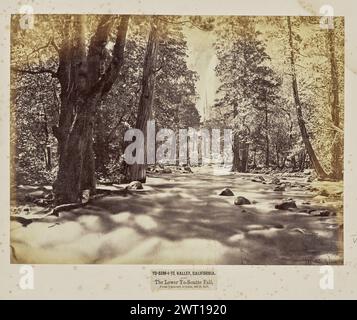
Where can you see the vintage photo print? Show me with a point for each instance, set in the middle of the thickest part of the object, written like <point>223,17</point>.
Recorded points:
<point>179,143</point>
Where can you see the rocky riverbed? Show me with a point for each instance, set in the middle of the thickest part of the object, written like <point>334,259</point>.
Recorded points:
<point>182,218</point>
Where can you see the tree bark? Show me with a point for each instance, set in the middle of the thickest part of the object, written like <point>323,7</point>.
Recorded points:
<point>304,134</point>
<point>137,172</point>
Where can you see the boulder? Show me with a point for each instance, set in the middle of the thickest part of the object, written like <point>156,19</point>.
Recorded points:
<point>307,211</point>
<point>85,196</point>
<point>323,193</point>
<point>338,194</point>
<point>238,201</point>
<point>286,204</point>
<point>275,180</point>
<point>166,170</point>
<point>187,169</point>
<point>226,192</point>
<point>327,213</point>
<point>135,185</point>
<point>280,187</point>
<point>299,230</point>
<point>278,226</point>
<point>311,211</point>
<point>320,199</point>
<point>261,178</point>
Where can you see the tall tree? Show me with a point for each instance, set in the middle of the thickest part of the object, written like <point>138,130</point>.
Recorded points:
<point>304,134</point>
<point>137,171</point>
<point>248,85</point>
<point>336,148</point>
<point>167,85</point>
<point>82,87</point>
<point>79,64</point>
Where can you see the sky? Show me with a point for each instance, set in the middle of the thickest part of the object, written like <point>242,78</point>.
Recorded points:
<point>202,59</point>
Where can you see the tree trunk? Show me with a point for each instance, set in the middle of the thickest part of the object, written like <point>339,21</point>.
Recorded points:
<point>305,136</point>
<point>137,172</point>
<point>283,162</point>
<point>49,158</point>
<point>81,92</point>
<point>293,160</point>
<point>336,149</point>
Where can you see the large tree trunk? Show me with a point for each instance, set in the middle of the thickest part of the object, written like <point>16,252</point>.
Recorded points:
<point>82,88</point>
<point>336,149</point>
<point>76,163</point>
<point>304,134</point>
<point>136,171</point>
<point>70,142</point>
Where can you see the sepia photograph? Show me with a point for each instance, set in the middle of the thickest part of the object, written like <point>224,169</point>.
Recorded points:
<point>177,140</point>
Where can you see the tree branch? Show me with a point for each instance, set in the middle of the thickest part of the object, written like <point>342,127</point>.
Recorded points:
<point>182,22</point>
<point>33,72</point>
<point>54,45</point>
<point>107,80</point>
<point>96,51</point>
<point>335,128</point>
<point>39,49</point>
<point>158,69</point>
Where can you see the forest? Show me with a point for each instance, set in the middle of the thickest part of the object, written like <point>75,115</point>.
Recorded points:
<point>79,82</point>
